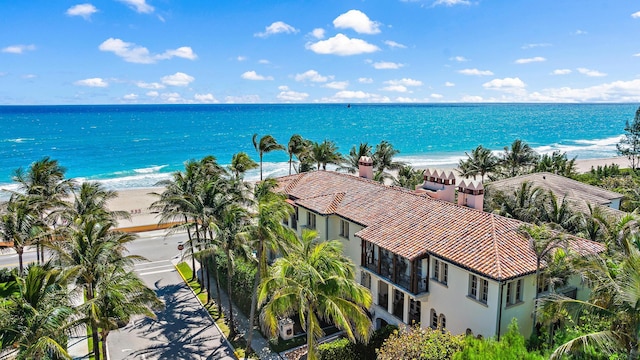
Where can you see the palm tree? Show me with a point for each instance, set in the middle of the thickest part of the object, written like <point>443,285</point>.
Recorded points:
<point>268,234</point>
<point>316,281</point>
<point>350,164</point>
<point>120,295</point>
<point>92,247</point>
<point>524,204</point>
<point>241,163</point>
<point>296,146</point>
<point>325,153</point>
<point>45,186</point>
<point>383,157</point>
<point>592,225</point>
<point>90,202</point>
<point>408,177</point>
<point>518,159</point>
<point>614,296</point>
<point>18,226</point>
<point>544,243</point>
<point>266,144</point>
<point>480,162</point>
<point>557,163</point>
<point>559,213</point>
<point>37,319</point>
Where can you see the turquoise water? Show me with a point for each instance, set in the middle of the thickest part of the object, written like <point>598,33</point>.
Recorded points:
<point>128,146</point>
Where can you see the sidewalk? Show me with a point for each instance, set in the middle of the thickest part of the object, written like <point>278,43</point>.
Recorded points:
<point>258,343</point>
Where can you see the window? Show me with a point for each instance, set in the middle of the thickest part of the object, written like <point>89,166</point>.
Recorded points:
<point>344,229</point>
<point>443,321</point>
<point>311,220</point>
<point>479,288</point>
<point>514,292</point>
<point>543,284</point>
<point>434,319</point>
<point>440,271</point>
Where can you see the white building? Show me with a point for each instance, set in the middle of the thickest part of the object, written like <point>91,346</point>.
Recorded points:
<point>426,260</point>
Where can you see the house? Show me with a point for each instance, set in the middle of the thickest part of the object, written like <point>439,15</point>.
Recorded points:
<point>426,260</point>
<point>578,194</point>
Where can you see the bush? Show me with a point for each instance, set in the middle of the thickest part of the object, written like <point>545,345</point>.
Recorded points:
<point>510,347</point>
<point>241,282</point>
<point>344,349</point>
<point>341,349</point>
<point>418,343</point>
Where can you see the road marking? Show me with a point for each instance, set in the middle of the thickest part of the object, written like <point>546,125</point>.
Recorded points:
<point>155,267</point>
<point>156,272</point>
<point>151,262</point>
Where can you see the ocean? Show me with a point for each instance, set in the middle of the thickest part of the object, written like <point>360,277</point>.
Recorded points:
<point>134,146</point>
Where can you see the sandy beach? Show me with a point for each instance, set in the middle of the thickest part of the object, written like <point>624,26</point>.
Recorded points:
<point>137,201</point>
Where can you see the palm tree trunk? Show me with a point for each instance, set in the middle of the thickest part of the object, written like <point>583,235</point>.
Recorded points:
<point>104,344</point>
<point>38,253</point>
<point>254,299</point>
<point>311,351</point>
<point>215,273</point>
<point>232,328</point>
<point>261,166</point>
<point>94,327</point>
<point>20,263</point>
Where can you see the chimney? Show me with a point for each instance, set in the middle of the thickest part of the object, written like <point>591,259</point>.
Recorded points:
<point>471,194</point>
<point>365,167</point>
<point>439,184</point>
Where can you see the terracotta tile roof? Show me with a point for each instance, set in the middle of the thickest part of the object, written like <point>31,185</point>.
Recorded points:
<point>578,194</point>
<point>413,225</point>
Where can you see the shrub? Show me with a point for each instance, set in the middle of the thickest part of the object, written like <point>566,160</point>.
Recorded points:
<point>341,349</point>
<point>510,347</point>
<point>418,343</point>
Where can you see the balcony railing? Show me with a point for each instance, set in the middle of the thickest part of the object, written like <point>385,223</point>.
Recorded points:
<point>404,280</point>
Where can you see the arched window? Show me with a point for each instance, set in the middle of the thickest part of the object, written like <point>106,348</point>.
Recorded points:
<point>434,319</point>
<point>443,321</point>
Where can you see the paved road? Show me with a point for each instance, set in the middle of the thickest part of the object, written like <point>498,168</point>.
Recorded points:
<point>183,330</point>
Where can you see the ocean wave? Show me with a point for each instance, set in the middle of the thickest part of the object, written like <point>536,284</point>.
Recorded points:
<point>18,140</point>
<point>584,149</point>
<point>150,170</point>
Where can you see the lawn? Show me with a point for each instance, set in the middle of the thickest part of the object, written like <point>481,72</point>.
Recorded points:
<point>239,343</point>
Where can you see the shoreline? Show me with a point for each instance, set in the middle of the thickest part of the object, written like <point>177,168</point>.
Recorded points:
<point>136,201</point>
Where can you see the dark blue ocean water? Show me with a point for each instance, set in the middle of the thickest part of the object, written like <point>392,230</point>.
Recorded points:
<point>136,145</point>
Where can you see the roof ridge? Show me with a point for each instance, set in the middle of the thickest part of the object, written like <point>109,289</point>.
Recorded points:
<point>294,182</point>
<point>496,248</point>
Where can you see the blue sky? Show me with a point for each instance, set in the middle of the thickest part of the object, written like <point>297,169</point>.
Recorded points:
<point>240,51</point>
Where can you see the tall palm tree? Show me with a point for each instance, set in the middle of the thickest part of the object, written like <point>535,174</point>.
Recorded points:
<point>557,163</point>
<point>18,226</point>
<point>92,247</point>
<point>37,319</point>
<point>315,281</point>
<point>241,163</point>
<point>325,153</point>
<point>383,157</point>
<point>525,203</point>
<point>46,187</point>
<point>266,144</point>
<point>518,159</point>
<point>408,177</point>
<point>350,164</point>
<point>559,213</point>
<point>296,146</point>
<point>120,295</point>
<point>480,162</point>
<point>268,234</point>
<point>592,225</point>
<point>90,202</point>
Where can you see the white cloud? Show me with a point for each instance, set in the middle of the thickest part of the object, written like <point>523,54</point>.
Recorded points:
<point>318,33</point>
<point>386,65</point>
<point>342,45</point>
<point>358,21</point>
<point>84,10</point>
<point>205,98</point>
<point>530,60</point>
<point>151,86</point>
<point>636,15</point>
<point>311,75</point>
<point>93,82</point>
<point>580,32</point>
<point>130,97</point>
<point>252,75</point>
<point>617,91</point>
<point>133,53</point>
<point>437,96</point>
<point>396,88</point>
<point>393,44</point>
<point>243,99</point>
<point>140,6</point>
<point>277,27</point>
<point>290,95</point>
<point>241,58</point>
<point>403,99</point>
<point>591,73</point>
<point>177,79</point>
<point>561,72</point>
<point>152,94</point>
<point>472,98</point>
<point>449,84</point>
<point>337,85</point>
<point>348,94</point>
<point>18,49</point>
<point>29,76</point>
<point>404,82</point>
<point>510,85</point>
<point>451,2</point>
<point>364,80</point>
<point>263,61</point>
<point>531,46</point>
<point>475,72</point>
<point>636,55</point>
<point>172,98</point>
<point>459,59</point>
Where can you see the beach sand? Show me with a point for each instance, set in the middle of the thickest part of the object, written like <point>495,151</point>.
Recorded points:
<point>137,201</point>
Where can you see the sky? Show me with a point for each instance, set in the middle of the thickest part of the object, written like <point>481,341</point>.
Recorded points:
<point>330,51</point>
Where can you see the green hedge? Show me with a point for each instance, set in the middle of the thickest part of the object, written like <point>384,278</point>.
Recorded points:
<point>241,281</point>
<point>343,349</point>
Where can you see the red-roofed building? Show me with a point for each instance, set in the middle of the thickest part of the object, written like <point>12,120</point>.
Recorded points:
<point>426,260</point>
